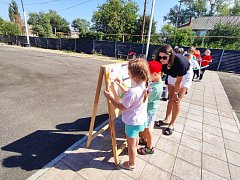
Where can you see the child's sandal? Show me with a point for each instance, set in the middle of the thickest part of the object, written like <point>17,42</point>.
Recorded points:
<point>145,150</point>
<point>128,166</point>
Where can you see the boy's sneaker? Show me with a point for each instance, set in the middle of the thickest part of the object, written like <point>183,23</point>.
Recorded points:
<point>145,150</point>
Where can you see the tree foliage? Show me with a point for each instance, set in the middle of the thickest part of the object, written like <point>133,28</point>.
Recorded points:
<point>116,17</point>
<point>14,14</point>
<point>40,24</point>
<point>58,22</point>
<point>228,31</point>
<point>138,30</point>
<point>197,8</point>
<point>235,10</point>
<point>180,37</point>
<point>9,28</point>
<point>81,25</point>
<point>43,24</point>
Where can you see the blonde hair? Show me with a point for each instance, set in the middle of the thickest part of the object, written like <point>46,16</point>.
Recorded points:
<point>139,68</point>
<point>208,50</point>
<point>192,50</point>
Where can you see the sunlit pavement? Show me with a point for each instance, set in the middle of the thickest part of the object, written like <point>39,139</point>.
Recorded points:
<point>204,145</point>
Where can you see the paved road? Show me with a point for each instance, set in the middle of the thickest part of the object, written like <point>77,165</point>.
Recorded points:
<point>46,101</point>
<point>231,84</point>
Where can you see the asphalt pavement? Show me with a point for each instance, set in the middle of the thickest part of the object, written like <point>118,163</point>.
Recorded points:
<point>231,84</point>
<point>46,102</point>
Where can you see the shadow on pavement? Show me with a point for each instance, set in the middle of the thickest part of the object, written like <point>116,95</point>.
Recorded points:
<point>40,147</point>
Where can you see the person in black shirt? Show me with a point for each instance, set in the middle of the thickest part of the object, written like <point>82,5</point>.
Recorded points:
<point>179,81</point>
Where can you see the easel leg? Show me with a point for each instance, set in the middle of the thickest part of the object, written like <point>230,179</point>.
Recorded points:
<point>95,105</point>
<point>114,143</point>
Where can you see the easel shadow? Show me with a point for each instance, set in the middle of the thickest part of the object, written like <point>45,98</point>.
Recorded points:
<point>40,147</point>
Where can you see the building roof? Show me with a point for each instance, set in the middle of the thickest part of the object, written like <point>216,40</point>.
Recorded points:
<point>203,23</point>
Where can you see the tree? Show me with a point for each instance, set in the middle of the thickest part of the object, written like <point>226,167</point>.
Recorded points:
<point>43,24</point>
<point>184,37</point>
<point>40,24</point>
<point>9,28</point>
<point>115,17</point>
<point>189,8</point>
<point>14,14</point>
<point>235,10</point>
<point>146,28</point>
<point>56,21</point>
<point>81,25</point>
<point>224,42</point>
<point>182,16</point>
<point>197,8</point>
<point>180,37</point>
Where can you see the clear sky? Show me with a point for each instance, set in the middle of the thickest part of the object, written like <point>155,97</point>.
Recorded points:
<point>84,8</point>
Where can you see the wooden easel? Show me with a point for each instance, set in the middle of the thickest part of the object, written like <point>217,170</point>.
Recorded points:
<point>113,114</point>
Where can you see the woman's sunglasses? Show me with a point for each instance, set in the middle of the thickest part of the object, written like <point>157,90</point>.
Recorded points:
<point>163,57</point>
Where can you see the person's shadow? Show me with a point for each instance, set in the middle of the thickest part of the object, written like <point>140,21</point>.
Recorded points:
<point>40,147</point>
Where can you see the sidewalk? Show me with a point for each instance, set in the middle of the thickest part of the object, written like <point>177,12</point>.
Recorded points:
<point>204,145</point>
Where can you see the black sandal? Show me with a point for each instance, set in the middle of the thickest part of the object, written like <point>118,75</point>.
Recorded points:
<point>145,150</point>
<point>160,123</point>
<point>168,131</point>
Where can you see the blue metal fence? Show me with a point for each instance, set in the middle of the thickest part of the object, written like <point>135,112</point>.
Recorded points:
<point>227,60</point>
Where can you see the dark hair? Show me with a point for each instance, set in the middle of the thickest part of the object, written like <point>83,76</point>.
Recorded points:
<point>187,55</point>
<point>167,49</point>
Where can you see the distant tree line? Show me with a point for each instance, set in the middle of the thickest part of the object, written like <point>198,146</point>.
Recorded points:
<point>118,20</point>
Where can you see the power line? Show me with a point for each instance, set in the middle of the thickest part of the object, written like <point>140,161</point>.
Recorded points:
<point>37,3</point>
<point>74,6</point>
<point>46,2</point>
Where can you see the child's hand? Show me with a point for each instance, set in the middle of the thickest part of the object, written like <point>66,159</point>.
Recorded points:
<point>117,81</point>
<point>107,94</point>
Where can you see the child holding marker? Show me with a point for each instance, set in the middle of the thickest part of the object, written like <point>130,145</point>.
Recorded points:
<point>133,106</point>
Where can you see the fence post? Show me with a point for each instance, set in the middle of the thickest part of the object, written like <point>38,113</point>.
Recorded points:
<point>75,48</point>
<point>93,47</point>
<point>60,44</point>
<point>115,48</point>
<point>142,48</point>
<point>47,42</point>
<point>35,41</point>
<point>220,61</point>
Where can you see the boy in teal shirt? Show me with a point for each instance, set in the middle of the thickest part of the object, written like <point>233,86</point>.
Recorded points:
<point>155,92</point>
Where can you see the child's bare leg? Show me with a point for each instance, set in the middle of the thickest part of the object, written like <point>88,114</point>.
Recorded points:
<point>141,136</point>
<point>148,134</point>
<point>132,150</point>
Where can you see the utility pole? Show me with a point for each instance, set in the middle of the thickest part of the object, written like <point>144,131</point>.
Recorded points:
<point>150,28</point>
<point>143,20</point>
<point>26,26</point>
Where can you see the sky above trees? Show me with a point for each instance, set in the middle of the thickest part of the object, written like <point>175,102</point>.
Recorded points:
<point>85,10</point>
